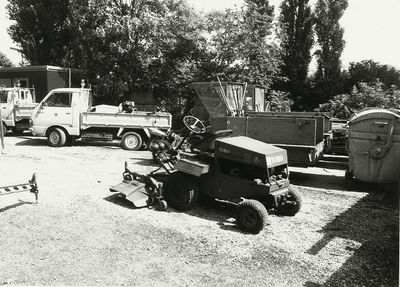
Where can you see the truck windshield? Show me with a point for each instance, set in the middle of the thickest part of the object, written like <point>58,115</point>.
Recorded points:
<point>59,100</point>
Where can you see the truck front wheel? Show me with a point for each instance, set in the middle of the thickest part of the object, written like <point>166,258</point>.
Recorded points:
<point>131,141</point>
<point>56,137</point>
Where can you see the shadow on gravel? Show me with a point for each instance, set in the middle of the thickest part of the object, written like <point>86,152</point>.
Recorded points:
<point>370,229</point>
<point>207,209</point>
<point>329,181</point>
<point>14,206</point>
<point>39,141</point>
<point>32,141</point>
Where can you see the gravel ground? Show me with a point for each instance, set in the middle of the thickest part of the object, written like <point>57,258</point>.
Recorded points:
<point>79,233</point>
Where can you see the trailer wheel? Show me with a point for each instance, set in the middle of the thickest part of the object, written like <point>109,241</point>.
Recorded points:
<point>251,216</point>
<point>292,203</point>
<point>56,137</point>
<point>181,191</point>
<point>131,141</point>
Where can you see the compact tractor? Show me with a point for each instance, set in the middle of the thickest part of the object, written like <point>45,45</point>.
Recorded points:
<point>249,173</point>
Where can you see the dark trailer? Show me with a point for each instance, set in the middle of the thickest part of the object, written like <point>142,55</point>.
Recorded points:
<point>42,78</point>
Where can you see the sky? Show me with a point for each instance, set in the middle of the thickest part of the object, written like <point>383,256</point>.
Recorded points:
<point>372,29</point>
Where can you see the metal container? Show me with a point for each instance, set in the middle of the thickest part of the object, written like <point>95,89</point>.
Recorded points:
<point>374,146</point>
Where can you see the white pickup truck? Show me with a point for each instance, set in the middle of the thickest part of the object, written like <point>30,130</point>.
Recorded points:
<point>66,114</point>
<point>16,106</point>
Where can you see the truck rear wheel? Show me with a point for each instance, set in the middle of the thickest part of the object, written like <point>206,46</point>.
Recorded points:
<point>56,137</point>
<point>131,141</point>
<point>251,216</point>
<point>181,191</point>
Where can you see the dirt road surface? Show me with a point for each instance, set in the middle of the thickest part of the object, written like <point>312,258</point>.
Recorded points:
<point>79,233</point>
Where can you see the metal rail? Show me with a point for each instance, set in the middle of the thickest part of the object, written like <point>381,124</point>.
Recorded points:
<point>31,186</point>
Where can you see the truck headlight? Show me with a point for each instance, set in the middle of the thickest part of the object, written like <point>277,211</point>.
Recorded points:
<point>30,122</point>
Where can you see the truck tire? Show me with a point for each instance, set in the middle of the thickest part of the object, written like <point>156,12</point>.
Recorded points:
<point>181,191</point>
<point>56,137</point>
<point>251,216</point>
<point>131,141</point>
<point>292,205</point>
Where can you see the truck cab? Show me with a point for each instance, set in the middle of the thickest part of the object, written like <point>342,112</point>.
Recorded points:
<point>62,108</point>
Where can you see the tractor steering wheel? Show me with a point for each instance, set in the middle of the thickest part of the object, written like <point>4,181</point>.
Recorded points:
<point>194,124</point>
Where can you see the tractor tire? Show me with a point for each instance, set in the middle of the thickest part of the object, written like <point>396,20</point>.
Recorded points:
<point>181,191</point>
<point>292,205</point>
<point>251,216</point>
<point>131,141</point>
<point>56,137</point>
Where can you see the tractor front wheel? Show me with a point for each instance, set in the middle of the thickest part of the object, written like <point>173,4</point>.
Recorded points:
<point>251,216</point>
<point>292,204</point>
<point>181,191</point>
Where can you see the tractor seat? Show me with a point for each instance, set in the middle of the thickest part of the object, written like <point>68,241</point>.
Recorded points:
<point>206,144</point>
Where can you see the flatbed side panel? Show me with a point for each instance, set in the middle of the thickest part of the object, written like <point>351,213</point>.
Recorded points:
<point>132,120</point>
<point>275,130</point>
<point>304,155</point>
<point>24,110</point>
<point>323,120</point>
<point>300,142</point>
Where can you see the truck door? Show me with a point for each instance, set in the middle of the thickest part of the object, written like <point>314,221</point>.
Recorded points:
<point>56,110</point>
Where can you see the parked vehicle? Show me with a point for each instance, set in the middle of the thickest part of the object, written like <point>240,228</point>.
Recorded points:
<point>16,106</point>
<point>302,135</point>
<point>238,170</point>
<point>67,114</point>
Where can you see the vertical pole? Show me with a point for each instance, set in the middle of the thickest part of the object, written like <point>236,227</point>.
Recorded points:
<point>1,133</point>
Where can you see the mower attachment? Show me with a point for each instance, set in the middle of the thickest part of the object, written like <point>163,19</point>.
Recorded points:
<point>30,186</point>
<point>141,190</point>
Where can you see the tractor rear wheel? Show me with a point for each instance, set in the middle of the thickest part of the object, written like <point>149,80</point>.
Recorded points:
<point>251,216</point>
<point>181,191</point>
<point>292,205</point>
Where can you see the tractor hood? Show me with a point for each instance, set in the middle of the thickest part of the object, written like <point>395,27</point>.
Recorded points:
<point>250,151</point>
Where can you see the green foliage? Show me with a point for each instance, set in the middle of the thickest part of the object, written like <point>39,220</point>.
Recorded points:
<point>241,45</point>
<point>42,30</point>
<point>331,44</point>
<point>5,61</point>
<point>367,71</point>
<point>278,101</point>
<point>367,95</point>
<point>297,40</point>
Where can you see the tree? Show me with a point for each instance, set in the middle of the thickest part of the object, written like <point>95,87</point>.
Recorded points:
<point>331,44</point>
<point>42,30</point>
<point>5,61</point>
<point>297,41</point>
<point>368,71</point>
<point>367,95</point>
<point>242,46</point>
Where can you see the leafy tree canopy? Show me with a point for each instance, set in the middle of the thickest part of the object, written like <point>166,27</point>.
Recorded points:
<point>241,44</point>
<point>367,95</point>
<point>5,61</point>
